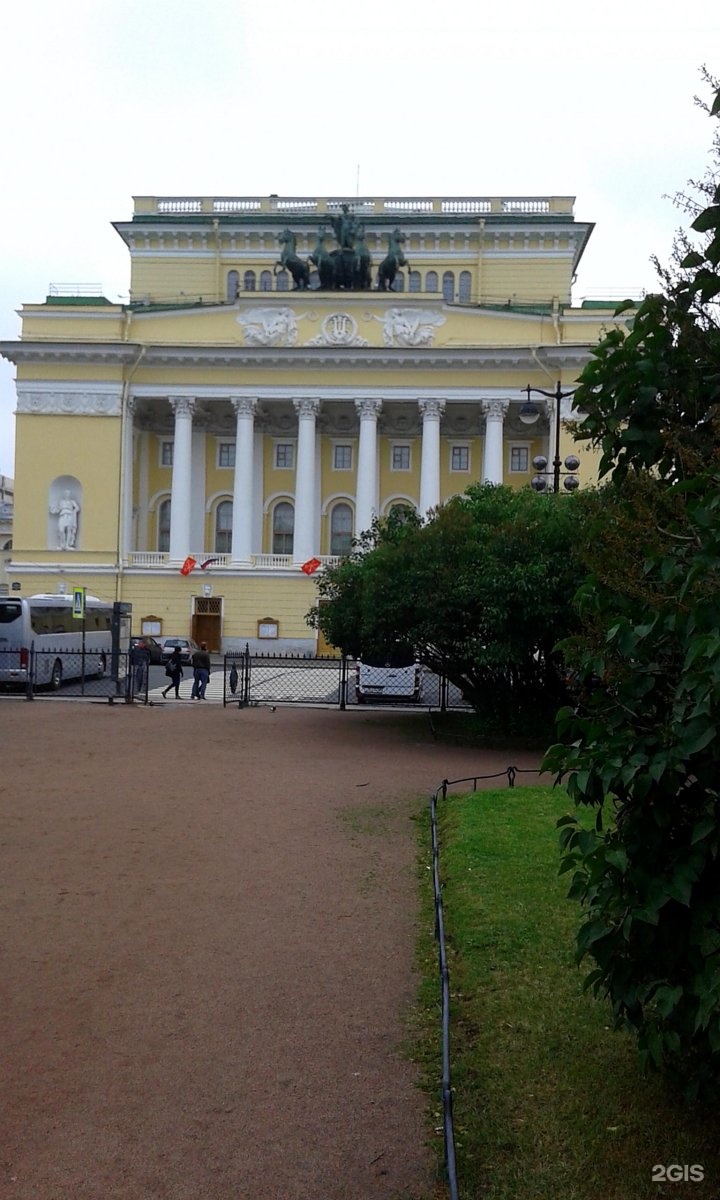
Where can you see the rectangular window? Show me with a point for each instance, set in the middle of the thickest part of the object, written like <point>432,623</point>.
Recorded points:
<point>460,458</point>
<point>226,454</point>
<point>284,456</point>
<point>519,458</point>
<point>400,458</point>
<point>342,458</point>
<point>166,454</point>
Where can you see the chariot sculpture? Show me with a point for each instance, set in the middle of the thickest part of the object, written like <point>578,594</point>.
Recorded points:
<point>349,266</point>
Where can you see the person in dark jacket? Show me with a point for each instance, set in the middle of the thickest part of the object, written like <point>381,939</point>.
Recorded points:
<point>175,671</point>
<point>201,672</point>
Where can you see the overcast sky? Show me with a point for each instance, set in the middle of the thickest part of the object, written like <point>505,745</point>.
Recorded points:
<point>105,99</point>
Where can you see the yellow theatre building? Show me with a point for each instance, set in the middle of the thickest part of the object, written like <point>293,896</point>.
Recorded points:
<point>285,369</point>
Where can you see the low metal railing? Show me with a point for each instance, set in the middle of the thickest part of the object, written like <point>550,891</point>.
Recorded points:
<point>510,774</point>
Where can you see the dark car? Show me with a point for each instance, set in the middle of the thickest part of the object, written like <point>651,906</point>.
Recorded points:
<point>152,648</point>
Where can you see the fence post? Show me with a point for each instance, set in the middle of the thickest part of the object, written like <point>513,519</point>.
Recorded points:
<point>443,693</point>
<point>343,682</point>
<point>246,675</point>
<point>29,694</point>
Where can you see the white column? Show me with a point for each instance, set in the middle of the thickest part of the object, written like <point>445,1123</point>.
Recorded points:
<point>183,408</point>
<point>493,458</point>
<point>127,480</point>
<point>305,521</point>
<point>431,411</point>
<point>367,482</point>
<point>242,527</point>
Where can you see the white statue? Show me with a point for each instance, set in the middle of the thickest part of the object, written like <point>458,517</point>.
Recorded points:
<point>410,327</point>
<point>66,510</point>
<point>268,326</point>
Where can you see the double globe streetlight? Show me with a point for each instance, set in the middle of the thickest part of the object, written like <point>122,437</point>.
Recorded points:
<point>529,414</point>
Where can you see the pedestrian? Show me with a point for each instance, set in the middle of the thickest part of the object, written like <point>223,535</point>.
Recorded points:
<point>175,672</point>
<point>201,672</point>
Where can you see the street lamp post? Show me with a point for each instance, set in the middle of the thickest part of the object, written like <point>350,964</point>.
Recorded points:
<point>529,414</point>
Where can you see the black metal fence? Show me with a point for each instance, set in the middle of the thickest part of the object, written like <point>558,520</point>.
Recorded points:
<point>510,774</point>
<point>38,674</point>
<point>252,679</point>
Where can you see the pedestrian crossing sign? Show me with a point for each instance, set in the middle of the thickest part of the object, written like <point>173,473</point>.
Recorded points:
<point>78,605</point>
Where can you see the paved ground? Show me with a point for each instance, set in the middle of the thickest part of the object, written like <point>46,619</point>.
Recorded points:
<point>209,921</point>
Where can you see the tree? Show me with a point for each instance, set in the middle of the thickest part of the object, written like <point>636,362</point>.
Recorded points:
<point>481,592</point>
<point>641,749</point>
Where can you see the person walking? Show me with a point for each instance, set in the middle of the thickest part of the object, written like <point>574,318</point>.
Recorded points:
<point>201,672</point>
<point>175,671</point>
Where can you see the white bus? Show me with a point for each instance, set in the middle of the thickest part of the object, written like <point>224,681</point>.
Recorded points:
<point>40,634</point>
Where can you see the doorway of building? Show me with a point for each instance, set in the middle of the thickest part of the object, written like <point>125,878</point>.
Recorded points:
<point>207,622</point>
<point>324,648</point>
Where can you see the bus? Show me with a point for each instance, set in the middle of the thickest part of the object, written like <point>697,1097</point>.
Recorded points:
<point>39,636</point>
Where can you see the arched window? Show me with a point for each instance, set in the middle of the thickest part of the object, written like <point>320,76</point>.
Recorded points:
<point>233,285</point>
<point>341,522</point>
<point>431,281</point>
<point>223,527</point>
<point>449,285</point>
<point>266,281</point>
<point>399,282</point>
<point>415,281</point>
<point>465,286</point>
<point>283,281</point>
<point>249,281</point>
<point>401,511</point>
<point>283,527</point>
<point>163,538</point>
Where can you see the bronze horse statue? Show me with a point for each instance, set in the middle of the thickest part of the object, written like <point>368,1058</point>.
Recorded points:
<point>395,258</point>
<point>290,261</point>
<point>362,263</point>
<point>324,261</point>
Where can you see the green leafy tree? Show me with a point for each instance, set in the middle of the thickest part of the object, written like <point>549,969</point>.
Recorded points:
<point>642,747</point>
<point>480,592</point>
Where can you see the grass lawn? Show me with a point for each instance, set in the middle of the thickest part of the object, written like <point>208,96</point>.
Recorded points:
<point>549,1101</point>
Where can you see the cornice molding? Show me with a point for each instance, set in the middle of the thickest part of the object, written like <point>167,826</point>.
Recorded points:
<point>307,357</point>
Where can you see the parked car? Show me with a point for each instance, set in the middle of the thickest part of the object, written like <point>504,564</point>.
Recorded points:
<point>187,648</point>
<point>389,677</point>
<point>150,645</point>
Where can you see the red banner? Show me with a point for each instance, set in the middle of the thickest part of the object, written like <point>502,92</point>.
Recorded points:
<point>188,565</point>
<point>311,566</point>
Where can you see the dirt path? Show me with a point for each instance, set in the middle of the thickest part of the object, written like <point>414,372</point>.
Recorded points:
<point>209,924</point>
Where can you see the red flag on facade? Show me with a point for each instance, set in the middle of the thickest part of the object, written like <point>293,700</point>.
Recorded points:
<point>311,566</point>
<point>188,565</point>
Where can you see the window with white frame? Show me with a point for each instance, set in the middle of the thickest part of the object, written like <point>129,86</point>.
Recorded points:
<point>233,285</point>
<point>166,454</point>
<point>223,527</point>
<point>226,454</point>
<point>519,458</point>
<point>460,457</point>
<point>283,528</point>
<point>342,457</point>
<point>163,533</point>
<point>448,285</point>
<point>249,281</point>
<point>465,286</point>
<point>266,281</point>
<point>341,523</point>
<point>284,456</point>
<point>400,456</point>
<point>414,281</point>
<point>283,281</point>
<point>431,281</point>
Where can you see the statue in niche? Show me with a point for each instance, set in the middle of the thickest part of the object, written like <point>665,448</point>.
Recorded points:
<point>66,510</point>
